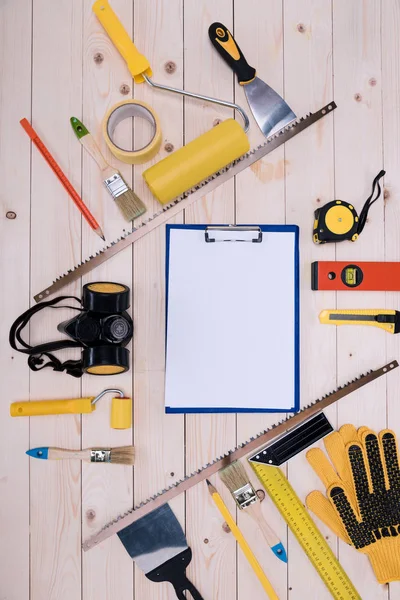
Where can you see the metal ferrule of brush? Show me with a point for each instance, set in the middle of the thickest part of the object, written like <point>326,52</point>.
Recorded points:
<point>245,496</point>
<point>116,185</point>
<point>103,456</point>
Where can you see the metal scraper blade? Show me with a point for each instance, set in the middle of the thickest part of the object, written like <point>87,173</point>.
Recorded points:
<point>154,539</point>
<point>269,110</point>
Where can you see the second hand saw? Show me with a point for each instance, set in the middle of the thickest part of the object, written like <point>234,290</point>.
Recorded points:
<point>185,200</point>
<point>239,452</point>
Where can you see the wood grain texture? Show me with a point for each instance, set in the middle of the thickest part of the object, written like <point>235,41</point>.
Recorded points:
<point>57,61</point>
<point>108,571</point>
<point>55,494</point>
<point>15,73</point>
<point>358,158</point>
<point>309,184</point>
<point>260,198</point>
<point>159,438</point>
<point>214,568</point>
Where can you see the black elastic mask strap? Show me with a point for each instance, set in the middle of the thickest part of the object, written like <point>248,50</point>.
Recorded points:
<point>369,202</point>
<point>35,360</point>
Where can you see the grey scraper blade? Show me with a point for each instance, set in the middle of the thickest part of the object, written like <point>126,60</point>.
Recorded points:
<point>269,110</point>
<point>154,539</point>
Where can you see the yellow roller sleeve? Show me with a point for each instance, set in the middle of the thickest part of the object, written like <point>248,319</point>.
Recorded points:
<point>52,407</point>
<point>196,161</point>
<point>136,62</point>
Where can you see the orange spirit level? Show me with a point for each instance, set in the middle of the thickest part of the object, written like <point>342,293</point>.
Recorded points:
<point>363,276</point>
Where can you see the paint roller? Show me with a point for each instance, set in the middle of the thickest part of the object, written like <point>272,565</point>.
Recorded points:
<point>202,157</point>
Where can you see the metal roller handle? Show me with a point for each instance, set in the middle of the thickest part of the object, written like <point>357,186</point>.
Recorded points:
<point>239,109</point>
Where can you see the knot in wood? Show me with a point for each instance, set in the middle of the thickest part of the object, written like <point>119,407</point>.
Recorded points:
<point>168,147</point>
<point>372,81</point>
<point>226,527</point>
<point>170,67</point>
<point>301,27</point>
<point>90,514</point>
<point>10,214</point>
<point>260,495</point>
<point>98,58</point>
<point>357,97</point>
<point>124,89</point>
<point>216,122</point>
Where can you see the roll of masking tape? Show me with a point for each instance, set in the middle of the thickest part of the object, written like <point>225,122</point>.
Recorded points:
<point>121,413</point>
<point>125,110</point>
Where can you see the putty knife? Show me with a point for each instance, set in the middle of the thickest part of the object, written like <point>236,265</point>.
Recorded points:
<point>158,545</point>
<point>269,110</point>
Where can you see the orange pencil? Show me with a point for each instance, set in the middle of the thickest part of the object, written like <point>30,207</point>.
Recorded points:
<point>62,177</point>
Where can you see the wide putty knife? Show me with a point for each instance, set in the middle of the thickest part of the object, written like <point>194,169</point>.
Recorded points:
<point>269,110</point>
<point>158,545</point>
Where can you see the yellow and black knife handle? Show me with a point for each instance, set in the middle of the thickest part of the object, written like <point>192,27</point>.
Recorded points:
<point>223,41</point>
<point>389,320</point>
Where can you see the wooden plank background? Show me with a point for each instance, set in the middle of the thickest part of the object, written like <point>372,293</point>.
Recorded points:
<point>310,51</point>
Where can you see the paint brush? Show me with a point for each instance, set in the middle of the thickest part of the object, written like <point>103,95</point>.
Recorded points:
<point>255,565</point>
<point>127,201</point>
<point>124,455</point>
<point>157,544</point>
<point>236,480</point>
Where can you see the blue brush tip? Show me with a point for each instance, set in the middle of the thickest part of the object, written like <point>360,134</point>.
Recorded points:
<point>280,552</point>
<point>39,452</point>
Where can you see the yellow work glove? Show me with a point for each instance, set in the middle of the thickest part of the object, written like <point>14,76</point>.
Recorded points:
<point>362,485</point>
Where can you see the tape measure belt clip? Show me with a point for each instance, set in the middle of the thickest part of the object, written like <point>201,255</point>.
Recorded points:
<point>125,110</point>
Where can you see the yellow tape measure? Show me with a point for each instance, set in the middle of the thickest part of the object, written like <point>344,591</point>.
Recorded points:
<point>306,532</point>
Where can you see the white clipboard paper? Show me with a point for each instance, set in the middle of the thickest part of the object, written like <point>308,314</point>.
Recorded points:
<point>232,342</point>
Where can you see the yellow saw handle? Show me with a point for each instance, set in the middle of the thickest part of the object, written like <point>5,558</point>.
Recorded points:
<point>74,406</point>
<point>382,318</point>
<point>136,62</point>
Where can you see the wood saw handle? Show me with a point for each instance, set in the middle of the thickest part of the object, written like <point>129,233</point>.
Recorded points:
<point>223,41</point>
<point>52,407</point>
<point>136,62</point>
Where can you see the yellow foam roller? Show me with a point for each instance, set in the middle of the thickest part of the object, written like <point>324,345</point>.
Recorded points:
<point>196,161</point>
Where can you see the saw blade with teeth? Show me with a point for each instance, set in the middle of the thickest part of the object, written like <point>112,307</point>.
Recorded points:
<point>164,496</point>
<point>185,200</point>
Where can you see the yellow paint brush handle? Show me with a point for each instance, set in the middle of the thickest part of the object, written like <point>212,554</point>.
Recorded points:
<point>245,547</point>
<point>52,407</point>
<point>136,62</point>
<point>385,319</point>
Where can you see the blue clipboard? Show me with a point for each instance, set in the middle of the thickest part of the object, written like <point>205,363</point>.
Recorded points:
<point>232,319</point>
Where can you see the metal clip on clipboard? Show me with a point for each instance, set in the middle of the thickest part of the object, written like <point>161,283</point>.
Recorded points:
<point>254,231</point>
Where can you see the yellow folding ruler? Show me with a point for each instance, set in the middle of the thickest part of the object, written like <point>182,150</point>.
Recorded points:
<point>305,530</point>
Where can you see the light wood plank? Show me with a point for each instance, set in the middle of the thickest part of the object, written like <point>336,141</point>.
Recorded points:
<point>213,568</point>
<point>391,136</point>
<point>159,438</point>
<point>358,158</point>
<point>107,489</point>
<point>15,74</point>
<point>260,198</point>
<point>56,225</point>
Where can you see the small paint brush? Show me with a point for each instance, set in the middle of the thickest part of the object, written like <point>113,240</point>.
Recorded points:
<point>124,455</point>
<point>236,480</point>
<point>127,201</point>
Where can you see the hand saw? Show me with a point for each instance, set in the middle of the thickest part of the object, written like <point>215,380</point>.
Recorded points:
<point>185,200</point>
<point>239,452</point>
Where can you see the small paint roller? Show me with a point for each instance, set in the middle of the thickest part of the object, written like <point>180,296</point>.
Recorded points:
<point>121,408</point>
<point>202,157</point>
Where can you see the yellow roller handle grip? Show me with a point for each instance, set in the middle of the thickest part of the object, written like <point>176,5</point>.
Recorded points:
<point>136,62</point>
<point>75,406</point>
<point>371,317</point>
